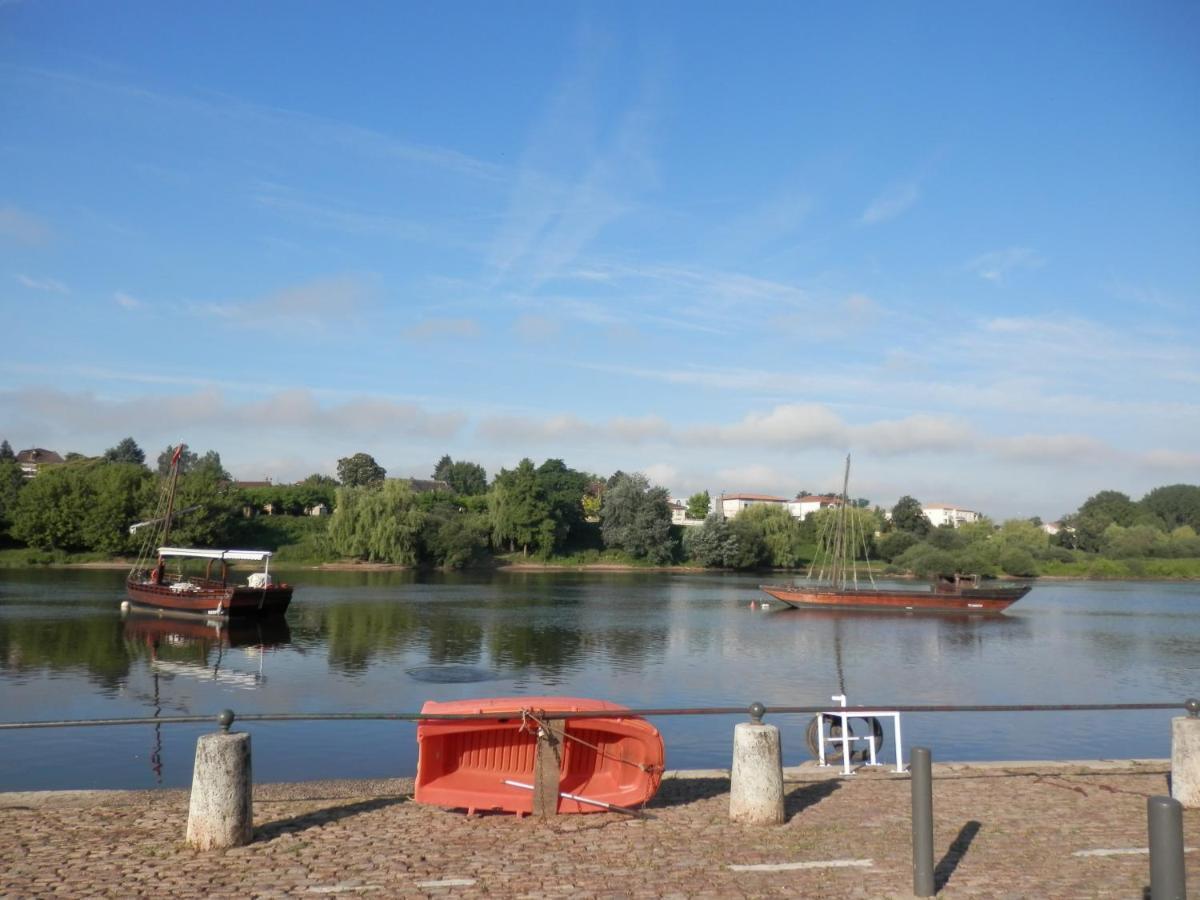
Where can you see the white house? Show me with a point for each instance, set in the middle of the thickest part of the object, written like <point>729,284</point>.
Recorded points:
<point>732,504</point>
<point>943,514</point>
<point>34,460</point>
<point>803,507</point>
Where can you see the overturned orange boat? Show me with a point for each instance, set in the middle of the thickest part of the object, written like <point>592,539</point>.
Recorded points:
<point>488,763</point>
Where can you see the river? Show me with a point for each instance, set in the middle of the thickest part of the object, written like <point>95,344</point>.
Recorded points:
<point>388,641</point>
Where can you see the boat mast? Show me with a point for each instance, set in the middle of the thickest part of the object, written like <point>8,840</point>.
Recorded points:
<point>841,547</point>
<point>171,493</point>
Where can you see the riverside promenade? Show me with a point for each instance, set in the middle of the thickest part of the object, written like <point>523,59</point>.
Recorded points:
<point>1002,830</point>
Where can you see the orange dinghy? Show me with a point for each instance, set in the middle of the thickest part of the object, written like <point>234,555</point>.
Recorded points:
<point>488,764</point>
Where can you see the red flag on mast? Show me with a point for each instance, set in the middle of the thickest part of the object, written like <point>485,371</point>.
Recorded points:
<point>175,458</point>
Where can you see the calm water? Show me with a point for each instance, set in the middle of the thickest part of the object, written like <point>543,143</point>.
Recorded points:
<point>358,642</point>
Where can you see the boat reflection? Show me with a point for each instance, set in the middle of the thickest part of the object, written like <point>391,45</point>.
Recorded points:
<point>818,614</point>
<point>196,648</point>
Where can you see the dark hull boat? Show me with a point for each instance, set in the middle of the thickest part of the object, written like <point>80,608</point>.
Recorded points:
<point>210,594</point>
<point>962,600</point>
<point>207,595</point>
<point>488,763</point>
<point>836,583</point>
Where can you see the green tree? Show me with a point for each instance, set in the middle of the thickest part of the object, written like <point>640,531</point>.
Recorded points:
<point>519,510</point>
<point>360,470</point>
<point>210,465</point>
<point>465,478</point>
<point>6,452</point>
<point>1174,505</point>
<point>1111,506</point>
<point>894,543</point>
<point>454,538</point>
<point>187,460</point>
<point>116,492</point>
<point>1135,542</point>
<point>698,506</point>
<point>1021,535</point>
<point>127,451</point>
<point>379,524</point>
<point>51,509</point>
<point>907,516</point>
<point>635,518</point>
<point>564,489</point>
<point>774,529</point>
<point>12,479</point>
<point>213,508</point>
<point>712,544</point>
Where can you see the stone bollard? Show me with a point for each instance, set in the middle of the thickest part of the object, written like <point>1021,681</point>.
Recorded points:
<point>219,814</point>
<point>756,778</point>
<point>1185,756</point>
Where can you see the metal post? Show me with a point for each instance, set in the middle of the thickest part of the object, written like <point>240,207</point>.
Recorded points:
<point>1165,821</point>
<point>920,765</point>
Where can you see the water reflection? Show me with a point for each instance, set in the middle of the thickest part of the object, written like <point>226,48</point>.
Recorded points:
<point>195,648</point>
<point>515,633</point>
<point>390,641</point>
<point>91,645</point>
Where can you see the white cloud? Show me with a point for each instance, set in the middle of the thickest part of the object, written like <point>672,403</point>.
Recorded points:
<point>297,411</point>
<point>891,203</point>
<point>661,475</point>
<point>51,285</point>
<point>733,479</point>
<point>998,264</point>
<point>125,301</point>
<point>308,304</point>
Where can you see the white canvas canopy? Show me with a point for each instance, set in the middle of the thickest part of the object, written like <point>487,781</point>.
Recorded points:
<point>243,555</point>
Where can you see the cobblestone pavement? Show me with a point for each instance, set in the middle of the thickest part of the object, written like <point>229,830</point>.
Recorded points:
<point>1001,831</point>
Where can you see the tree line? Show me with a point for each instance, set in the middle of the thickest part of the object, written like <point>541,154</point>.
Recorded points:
<point>545,511</point>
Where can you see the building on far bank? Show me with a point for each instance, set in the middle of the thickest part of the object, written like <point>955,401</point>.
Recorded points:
<point>732,504</point>
<point>803,507</point>
<point>679,514</point>
<point>35,459</point>
<point>940,514</point>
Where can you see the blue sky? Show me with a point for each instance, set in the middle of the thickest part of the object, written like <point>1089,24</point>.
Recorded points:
<point>723,245</point>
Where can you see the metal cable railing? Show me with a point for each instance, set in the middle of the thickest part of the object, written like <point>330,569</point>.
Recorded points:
<point>1192,706</point>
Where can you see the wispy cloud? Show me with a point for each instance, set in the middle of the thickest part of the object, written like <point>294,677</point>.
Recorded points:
<point>350,221</point>
<point>22,227</point>
<point>998,264</point>
<point>551,218</point>
<point>431,329</point>
<point>51,285</point>
<point>125,301</point>
<point>891,203</point>
<point>536,329</point>
<point>308,304</point>
<point>296,411</point>
<point>285,127</point>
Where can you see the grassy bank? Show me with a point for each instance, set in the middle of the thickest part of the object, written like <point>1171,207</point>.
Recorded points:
<point>1100,567</point>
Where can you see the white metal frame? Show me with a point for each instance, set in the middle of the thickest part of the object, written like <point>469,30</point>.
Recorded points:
<point>847,739</point>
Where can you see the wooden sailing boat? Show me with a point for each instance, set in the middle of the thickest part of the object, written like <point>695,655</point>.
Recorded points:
<point>833,578</point>
<point>210,594</point>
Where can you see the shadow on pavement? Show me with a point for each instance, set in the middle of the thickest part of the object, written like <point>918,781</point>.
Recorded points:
<point>320,817</point>
<point>677,791</point>
<point>954,854</point>
<point>800,799</point>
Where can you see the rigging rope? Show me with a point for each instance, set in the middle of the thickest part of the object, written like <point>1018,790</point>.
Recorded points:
<point>528,716</point>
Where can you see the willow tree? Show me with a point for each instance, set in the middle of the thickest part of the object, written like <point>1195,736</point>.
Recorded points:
<point>381,524</point>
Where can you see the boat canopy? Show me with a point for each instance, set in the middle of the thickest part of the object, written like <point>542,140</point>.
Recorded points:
<point>244,555</point>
